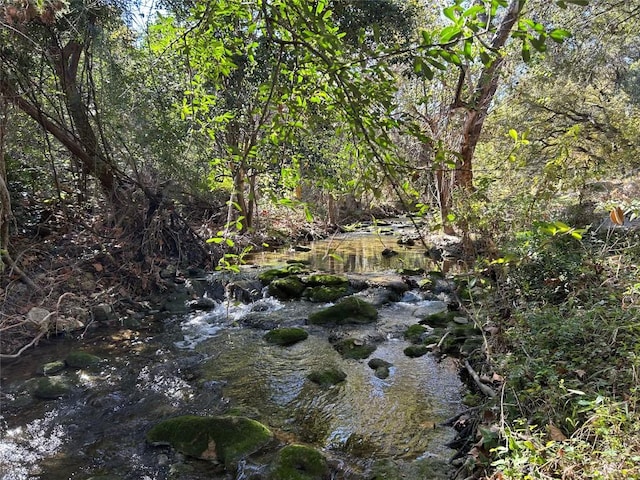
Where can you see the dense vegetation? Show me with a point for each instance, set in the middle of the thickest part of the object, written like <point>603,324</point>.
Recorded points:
<point>200,129</point>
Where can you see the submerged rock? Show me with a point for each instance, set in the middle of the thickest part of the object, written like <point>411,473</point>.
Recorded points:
<point>51,368</point>
<point>51,388</point>
<point>286,336</point>
<point>299,462</point>
<point>349,310</point>
<point>224,439</point>
<point>381,367</point>
<point>328,377</point>
<point>354,348</point>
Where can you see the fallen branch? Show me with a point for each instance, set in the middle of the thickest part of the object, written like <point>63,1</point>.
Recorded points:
<point>6,258</point>
<point>30,344</point>
<point>476,378</point>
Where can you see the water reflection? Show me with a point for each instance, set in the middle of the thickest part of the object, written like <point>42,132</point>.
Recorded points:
<point>352,253</point>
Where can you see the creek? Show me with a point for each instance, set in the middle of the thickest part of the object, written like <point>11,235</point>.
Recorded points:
<point>216,362</point>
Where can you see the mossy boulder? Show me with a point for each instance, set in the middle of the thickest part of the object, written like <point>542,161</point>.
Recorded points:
<point>439,319</point>
<point>286,288</point>
<point>415,351</point>
<point>224,439</point>
<point>51,368</point>
<point>78,359</point>
<point>270,275</point>
<point>416,333</point>
<point>299,462</point>
<point>349,310</point>
<point>319,279</point>
<point>411,271</point>
<point>324,293</point>
<point>286,336</point>
<point>327,377</point>
<point>51,388</point>
<point>354,348</point>
<point>381,367</point>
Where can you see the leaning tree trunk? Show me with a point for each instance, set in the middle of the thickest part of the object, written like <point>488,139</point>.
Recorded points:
<point>476,109</point>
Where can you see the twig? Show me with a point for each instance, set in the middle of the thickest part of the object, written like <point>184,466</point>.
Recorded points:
<point>443,339</point>
<point>483,388</point>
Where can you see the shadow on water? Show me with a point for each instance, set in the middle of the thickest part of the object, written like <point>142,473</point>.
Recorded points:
<point>209,363</point>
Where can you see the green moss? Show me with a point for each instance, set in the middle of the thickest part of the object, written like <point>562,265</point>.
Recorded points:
<point>326,280</point>
<point>286,288</point>
<point>51,368</point>
<point>225,439</point>
<point>414,351</point>
<point>323,294</point>
<point>297,268</point>
<point>349,310</point>
<point>299,462</point>
<point>439,319</point>
<point>381,367</point>
<point>353,348</point>
<point>270,275</point>
<point>286,336</point>
<point>328,377</point>
<point>81,360</point>
<point>411,271</point>
<point>50,388</point>
<point>415,333</point>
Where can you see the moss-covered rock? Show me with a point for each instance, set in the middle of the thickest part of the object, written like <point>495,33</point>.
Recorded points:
<point>270,275</point>
<point>79,359</point>
<point>327,377</point>
<point>224,439</point>
<point>415,351</point>
<point>51,388</point>
<point>51,368</point>
<point>286,288</point>
<point>349,310</point>
<point>326,280</point>
<point>354,348</point>
<point>416,333</point>
<point>411,271</point>
<point>381,367</point>
<point>324,293</point>
<point>439,319</point>
<point>299,462</point>
<point>286,336</point>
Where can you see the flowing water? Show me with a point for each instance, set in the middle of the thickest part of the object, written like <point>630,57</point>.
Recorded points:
<point>215,362</point>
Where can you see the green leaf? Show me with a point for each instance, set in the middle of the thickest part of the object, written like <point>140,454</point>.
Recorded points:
<point>559,35</point>
<point>513,134</point>
<point>582,3</point>
<point>450,33</point>
<point>450,13</point>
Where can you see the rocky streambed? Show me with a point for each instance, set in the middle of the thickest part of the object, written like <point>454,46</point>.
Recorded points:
<point>280,373</point>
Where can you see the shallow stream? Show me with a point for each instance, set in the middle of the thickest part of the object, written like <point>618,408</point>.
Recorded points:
<point>214,362</point>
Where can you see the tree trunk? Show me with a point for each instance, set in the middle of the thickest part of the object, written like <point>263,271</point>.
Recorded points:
<point>5,199</point>
<point>476,110</point>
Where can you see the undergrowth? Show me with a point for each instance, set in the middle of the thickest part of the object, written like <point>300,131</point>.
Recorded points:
<point>569,353</point>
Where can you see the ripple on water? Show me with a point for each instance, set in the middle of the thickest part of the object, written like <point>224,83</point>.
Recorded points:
<point>23,448</point>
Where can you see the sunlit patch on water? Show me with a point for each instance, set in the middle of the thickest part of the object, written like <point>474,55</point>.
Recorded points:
<point>23,448</point>
<point>173,388</point>
<point>202,326</point>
